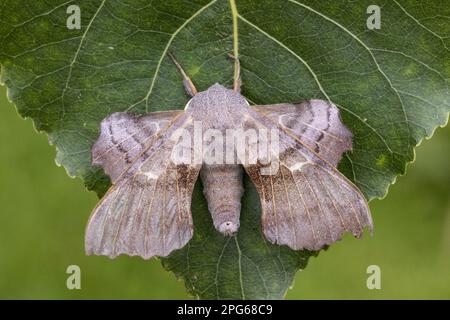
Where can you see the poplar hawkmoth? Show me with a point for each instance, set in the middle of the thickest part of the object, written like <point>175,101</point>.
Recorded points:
<point>306,202</point>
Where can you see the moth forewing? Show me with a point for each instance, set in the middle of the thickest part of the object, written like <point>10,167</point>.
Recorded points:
<point>326,203</point>
<point>317,122</point>
<point>147,210</point>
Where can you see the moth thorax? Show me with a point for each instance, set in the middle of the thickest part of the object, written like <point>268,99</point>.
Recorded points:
<point>223,190</point>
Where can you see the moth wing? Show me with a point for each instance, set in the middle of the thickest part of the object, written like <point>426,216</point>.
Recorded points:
<point>147,210</point>
<point>316,122</point>
<point>124,136</point>
<point>306,203</point>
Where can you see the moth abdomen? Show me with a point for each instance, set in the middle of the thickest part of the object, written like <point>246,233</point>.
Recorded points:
<point>223,190</point>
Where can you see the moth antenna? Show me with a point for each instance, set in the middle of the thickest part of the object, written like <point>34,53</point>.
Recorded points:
<point>187,82</point>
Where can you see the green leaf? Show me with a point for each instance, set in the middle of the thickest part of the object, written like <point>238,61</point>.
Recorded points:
<point>392,86</point>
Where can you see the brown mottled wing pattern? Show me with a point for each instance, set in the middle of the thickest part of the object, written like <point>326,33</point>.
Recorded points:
<point>147,210</point>
<point>123,137</point>
<point>307,203</point>
<point>318,124</point>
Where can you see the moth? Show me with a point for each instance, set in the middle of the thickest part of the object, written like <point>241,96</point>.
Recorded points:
<point>306,202</point>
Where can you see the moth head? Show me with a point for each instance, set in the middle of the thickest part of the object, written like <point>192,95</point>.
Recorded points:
<point>216,100</point>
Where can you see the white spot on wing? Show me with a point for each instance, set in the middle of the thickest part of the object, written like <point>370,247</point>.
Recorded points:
<point>150,175</point>
<point>297,166</point>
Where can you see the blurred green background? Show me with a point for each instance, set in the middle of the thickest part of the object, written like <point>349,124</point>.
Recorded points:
<point>43,214</point>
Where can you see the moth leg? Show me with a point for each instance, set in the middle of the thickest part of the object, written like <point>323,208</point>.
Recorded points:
<point>187,82</point>
<point>237,73</point>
